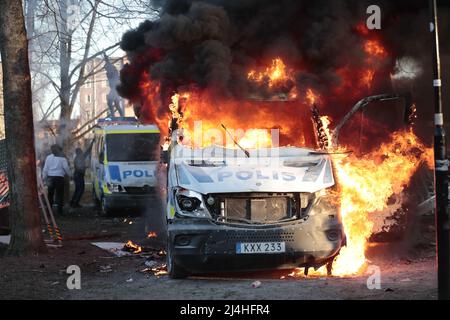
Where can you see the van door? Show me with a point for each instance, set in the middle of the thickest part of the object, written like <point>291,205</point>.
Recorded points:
<point>403,116</point>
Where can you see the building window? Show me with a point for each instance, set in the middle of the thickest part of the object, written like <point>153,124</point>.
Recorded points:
<point>88,98</point>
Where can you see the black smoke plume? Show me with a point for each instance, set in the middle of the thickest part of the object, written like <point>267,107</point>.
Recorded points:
<point>211,44</point>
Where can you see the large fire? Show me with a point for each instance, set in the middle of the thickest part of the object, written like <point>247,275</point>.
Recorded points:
<point>365,185</point>
<point>365,182</point>
<point>251,128</point>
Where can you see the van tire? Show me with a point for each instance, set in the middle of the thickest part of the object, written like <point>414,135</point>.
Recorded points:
<point>175,271</point>
<point>106,212</point>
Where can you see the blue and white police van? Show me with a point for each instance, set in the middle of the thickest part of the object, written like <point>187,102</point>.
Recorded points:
<point>124,163</point>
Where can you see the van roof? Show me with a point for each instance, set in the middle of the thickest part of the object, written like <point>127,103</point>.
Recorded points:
<point>128,128</point>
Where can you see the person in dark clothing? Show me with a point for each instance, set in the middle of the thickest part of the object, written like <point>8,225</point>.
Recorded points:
<point>55,168</point>
<point>79,164</point>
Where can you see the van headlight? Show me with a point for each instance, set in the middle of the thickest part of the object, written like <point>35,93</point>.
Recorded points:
<point>115,187</point>
<point>190,204</point>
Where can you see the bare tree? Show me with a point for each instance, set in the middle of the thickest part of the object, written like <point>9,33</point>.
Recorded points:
<point>69,89</point>
<point>26,236</point>
<point>68,36</point>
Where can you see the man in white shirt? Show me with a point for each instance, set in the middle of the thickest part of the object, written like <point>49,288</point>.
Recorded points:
<point>55,168</point>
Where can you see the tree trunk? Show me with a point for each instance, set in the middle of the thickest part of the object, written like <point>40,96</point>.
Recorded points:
<point>26,236</point>
<point>65,44</point>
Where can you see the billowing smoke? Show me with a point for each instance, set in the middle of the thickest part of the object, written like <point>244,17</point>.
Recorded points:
<point>212,44</point>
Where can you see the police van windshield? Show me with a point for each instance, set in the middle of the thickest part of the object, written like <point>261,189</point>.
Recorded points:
<point>132,146</point>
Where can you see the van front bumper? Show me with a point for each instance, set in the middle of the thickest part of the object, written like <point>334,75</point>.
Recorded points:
<point>127,201</point>
<point>200,246</point>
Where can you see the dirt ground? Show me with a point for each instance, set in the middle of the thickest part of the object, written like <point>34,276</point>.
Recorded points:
<point>406,273</point>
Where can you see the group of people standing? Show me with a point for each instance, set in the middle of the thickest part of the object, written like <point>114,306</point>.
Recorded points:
<point>56,168</point>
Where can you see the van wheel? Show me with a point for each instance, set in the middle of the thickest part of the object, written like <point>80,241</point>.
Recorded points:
<point>175,271</point>
<point>104,210</point>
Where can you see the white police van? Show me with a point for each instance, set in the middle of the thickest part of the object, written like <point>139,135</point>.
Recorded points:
<point>124,162</point>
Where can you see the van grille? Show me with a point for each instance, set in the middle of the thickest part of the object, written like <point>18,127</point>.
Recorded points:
<point>259,207</point>
<point>140,190</point>
<point>259,236</point>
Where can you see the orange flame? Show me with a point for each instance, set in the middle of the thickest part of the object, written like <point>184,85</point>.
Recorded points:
<point>203,115</point>
<point>152,234</point>
<point>367,78</point>
<point>312,97</point>
<point>365,185</point>
<point>374,48</point>
<point>274,75</point>
<point>255,138</point>
<point>134,247</point>
<point>326,121</point>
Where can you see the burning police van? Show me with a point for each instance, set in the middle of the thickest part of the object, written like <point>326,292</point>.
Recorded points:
<point>232,209</point>
<point>263,208</point>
